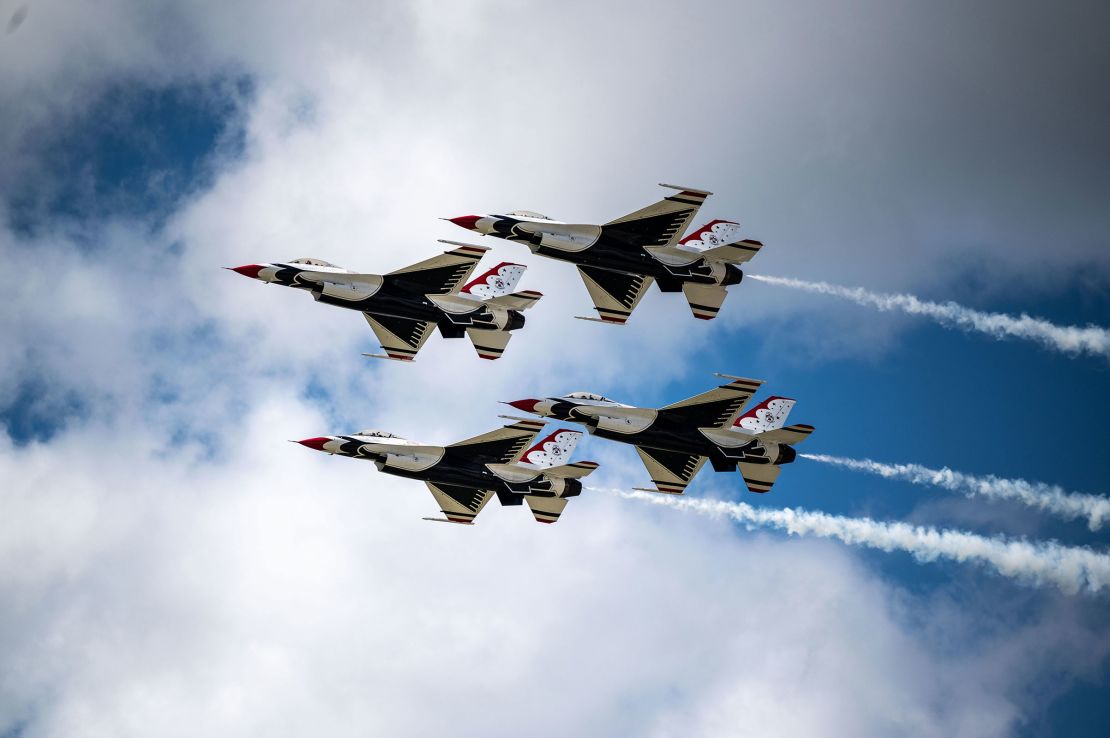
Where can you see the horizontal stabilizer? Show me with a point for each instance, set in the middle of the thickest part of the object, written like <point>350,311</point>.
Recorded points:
<point>759,477</point>
<point>789,435</point>
<point>733,253</point>
<point>546,509</point>
<point>705,299</point>
<point>577,470</point>
<point>489,344</point>
<point>516,301</point>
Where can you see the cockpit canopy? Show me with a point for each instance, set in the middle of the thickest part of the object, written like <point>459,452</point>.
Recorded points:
<point>371,433</point>
<point>313,262</point>
<point>528,214</point>
<point>587,396</point>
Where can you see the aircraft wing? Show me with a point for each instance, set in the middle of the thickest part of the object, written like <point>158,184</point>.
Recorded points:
<point>546,509</point>
<point>661,223</point>
<point>439,275</point>
<point>459,504</point>
<point>401,338</point>
<point>670,471</point>
<point>502,446</point>
<point>719,407</point>
<point>615,294</point>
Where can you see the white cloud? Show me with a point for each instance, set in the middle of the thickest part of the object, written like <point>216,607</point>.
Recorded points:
<point>170,565</point>
<point>281,590</point>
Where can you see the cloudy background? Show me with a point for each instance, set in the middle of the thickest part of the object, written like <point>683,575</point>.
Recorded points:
<point>169,565</point>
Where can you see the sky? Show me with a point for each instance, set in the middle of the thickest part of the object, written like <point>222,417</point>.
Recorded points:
<point>170,565</point>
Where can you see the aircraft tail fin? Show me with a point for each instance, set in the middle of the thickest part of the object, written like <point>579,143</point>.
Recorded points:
<point>553,450</point>
<point>768,415</point>
<point>497,282</point>
<point>719,240</point>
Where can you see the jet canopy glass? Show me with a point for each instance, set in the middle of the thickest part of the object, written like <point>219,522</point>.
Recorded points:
<point>312,262</point>
<point>371,433</point>
<point>529,214</point>
<point>587,396</point>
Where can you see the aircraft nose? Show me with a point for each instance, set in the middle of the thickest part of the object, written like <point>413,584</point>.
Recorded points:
<point>317,443</point>
<point>469,222</point>
<point>248,270</point>
<point>528,406</point>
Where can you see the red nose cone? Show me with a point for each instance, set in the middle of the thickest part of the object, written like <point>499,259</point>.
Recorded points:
<point>316,443</point>
<point>528,406</point>
<point>466,221</point>
<point>248,270</point>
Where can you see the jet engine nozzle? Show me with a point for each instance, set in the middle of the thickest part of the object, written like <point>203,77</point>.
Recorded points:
<point>571,488</point>
<point>787,454</point>
<point>516,320</point>
<point>733,275</point>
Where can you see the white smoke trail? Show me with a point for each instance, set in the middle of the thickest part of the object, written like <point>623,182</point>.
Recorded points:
<point>1046,497</point>
<point>1072,569</point>
<point>1069,339</point>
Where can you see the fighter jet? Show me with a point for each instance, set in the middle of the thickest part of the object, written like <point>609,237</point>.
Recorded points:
<point>675,441</point>
<point>465,475</point>
<point>403,306</point>
<point>619,260</point>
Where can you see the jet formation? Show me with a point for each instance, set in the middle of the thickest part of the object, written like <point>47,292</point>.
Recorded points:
<point>618,261</point>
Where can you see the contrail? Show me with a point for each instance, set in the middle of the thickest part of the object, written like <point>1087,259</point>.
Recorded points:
<point>1073,569</point>
<point>1069,339</point>
<point>1047,497</point>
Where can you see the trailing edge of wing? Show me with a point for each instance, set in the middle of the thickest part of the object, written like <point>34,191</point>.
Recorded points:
<point>401,338</point>
<point>614,294</point>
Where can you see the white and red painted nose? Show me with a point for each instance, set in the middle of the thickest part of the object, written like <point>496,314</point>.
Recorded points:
<point>327,444</point>
<point>263,272</point>
<point>478,223</point>
<point>536,407</point>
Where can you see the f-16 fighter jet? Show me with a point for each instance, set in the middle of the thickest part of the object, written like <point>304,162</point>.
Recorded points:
<point>465,475</point>
<point>675,441</point>
<point>619,260</point>
<point>403,306</point>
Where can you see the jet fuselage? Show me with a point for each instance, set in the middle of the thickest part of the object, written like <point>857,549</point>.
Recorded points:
<point>392,297</point>
<point>448,466</point>
<point>660,430</point>
<point>605,248</point>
